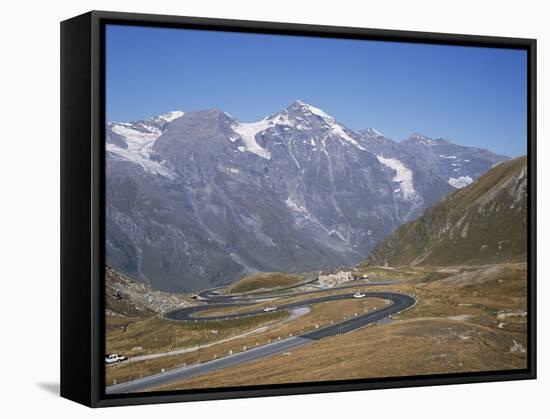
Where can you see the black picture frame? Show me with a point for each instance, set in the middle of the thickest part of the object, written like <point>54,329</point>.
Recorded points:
<point>83,209</point>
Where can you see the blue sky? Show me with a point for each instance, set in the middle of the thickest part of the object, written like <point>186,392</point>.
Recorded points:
<point>472,96</point>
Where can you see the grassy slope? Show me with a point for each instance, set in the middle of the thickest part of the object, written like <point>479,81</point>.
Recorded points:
<point>482,223</point>
<point>154,335</point>
<point>264,280</point>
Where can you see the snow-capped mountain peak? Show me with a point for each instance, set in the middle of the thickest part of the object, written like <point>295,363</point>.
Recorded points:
<point>300,112</point>
<point>419,137</point>
<point>372,133</point>
<point>427,141</point>
<point>306,108</point>
<point>315,125</point>
<point>304,116</point>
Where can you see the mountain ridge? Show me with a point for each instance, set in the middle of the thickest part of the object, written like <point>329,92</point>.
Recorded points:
<point>198,198</point>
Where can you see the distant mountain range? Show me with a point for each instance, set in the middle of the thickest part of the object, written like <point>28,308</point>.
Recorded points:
<point>199,199</point>
<point>483,223</point>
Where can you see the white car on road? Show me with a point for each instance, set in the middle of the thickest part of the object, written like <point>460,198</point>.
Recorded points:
<point>114,358</point>
<point>359,295</point>
<point>270,309</point>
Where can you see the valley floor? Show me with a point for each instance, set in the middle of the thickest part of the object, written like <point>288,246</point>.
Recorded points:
<point>467,319</point>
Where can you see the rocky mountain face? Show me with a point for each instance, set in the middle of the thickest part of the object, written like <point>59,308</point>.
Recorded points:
<point>129,298</point>
<point>483,223</point>
<point>200,199</point>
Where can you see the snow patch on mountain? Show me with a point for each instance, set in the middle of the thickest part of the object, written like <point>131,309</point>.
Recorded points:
<point>248,132</point>
<point>139,139</point>
<point>170,116</point>
<point>279,119</point>
<point>339,131</point>
<point>403,176</point>
<point>460,182</point>
<point>296,207</point>
<point>150,166</point>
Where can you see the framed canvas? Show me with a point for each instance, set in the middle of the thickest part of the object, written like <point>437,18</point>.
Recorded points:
<point>255,209</point>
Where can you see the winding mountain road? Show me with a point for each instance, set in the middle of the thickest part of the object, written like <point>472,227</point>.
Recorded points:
<point>399,303</point>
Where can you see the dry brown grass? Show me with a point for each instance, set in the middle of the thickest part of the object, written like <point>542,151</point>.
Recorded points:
<point>153,334</point>
<point>402,348</point>
<point>455,328</point>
